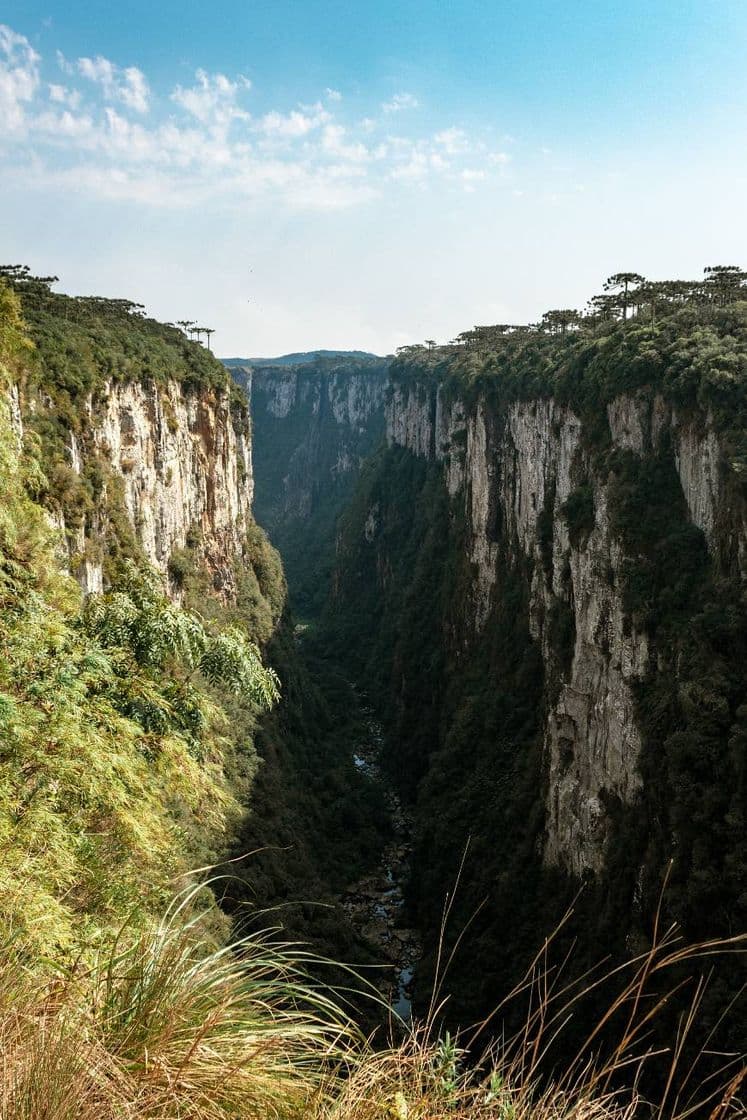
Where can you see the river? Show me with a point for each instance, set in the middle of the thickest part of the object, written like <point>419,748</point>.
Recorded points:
<point>375,903</point>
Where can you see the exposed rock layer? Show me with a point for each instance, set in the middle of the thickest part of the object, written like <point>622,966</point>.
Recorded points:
<point>511,473</point>
<point>183,463</point>
<point>316,426</point>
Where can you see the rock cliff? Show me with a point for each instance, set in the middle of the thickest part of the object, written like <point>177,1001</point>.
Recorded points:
<point>316,422</point>
<point>177,463</point>
<point>314,426</point>
<point>510,473</point>
<point>539,582</point>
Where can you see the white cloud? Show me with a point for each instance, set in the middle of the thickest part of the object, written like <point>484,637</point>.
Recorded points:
<point>470,176</point>
<point>61,95</point>
<point>294,124</point>
<point>335,144</point>
<point>19,79</point>
<point>399,102</point>
<point>209,150</point>
<point>415,169</point>
<point>454,141</point>
<point>65,66</point>
<point>126,85</point>
<point>66,125</point>
<point>213,99</point>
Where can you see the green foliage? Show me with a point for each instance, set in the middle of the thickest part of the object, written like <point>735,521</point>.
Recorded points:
<point>465,712</point>
<point>316,823</point>
<point>162,1025</point>
<point>14,341</point>
<point>82,342</point>
<point>115,746</point>
<point>138,618</point>
<point>694,354</point>
<point>462,719</point>
<point>578,511</point>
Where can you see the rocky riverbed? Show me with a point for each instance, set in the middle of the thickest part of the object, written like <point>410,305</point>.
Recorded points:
<point>375,903</point>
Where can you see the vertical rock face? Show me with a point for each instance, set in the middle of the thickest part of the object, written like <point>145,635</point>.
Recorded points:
<point>315,423</point>
<point>183,464</point>
<point>16,420</point>
<point>510,473</point>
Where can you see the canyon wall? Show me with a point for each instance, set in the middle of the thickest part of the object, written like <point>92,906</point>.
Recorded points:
<point>510,473</point>
<point>317,424</point>
<point>178,464</point>
<point>542,593</point>
<point>314,424</point>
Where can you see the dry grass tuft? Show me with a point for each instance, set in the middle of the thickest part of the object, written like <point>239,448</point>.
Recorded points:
<point>163,1027</point>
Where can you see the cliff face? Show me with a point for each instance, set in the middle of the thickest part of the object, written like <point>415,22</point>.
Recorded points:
<point>314,425</point>
<point>326,420</point>
<point>542,593</point>
<point>510,474</point>
<point>178,462</point>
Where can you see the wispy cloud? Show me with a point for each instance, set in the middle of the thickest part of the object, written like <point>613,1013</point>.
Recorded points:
<point>299,122</point>
<point>19,78</point>
<point>213,98</point>
<point>103,131</point>
<point>61,95</point>
<point>128,86</point>
<point>399,102</point>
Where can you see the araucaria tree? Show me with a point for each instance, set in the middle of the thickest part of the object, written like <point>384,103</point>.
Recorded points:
<point>621,284</point>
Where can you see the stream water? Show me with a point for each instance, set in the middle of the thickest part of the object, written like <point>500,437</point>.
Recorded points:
<point>375,903</point>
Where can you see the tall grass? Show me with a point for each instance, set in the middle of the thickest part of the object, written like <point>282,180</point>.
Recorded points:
<point>433,1076</point>
<point>160,1026</point>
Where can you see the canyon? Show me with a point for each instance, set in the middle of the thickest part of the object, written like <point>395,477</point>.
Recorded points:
<point>506,615</point>
<point>482,574</point>
<point>349,465</point>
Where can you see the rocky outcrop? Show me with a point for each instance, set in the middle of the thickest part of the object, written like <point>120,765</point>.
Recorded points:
<point>510,474</point>
<point>181,461</point>
<point>15,416</point>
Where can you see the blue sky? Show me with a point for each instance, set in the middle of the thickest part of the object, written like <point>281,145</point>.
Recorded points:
<point>329,174</point>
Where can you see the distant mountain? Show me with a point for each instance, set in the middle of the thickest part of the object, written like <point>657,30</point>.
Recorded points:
<point>298,359</point>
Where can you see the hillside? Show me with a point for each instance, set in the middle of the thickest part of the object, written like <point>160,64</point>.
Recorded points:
<point>118,752</point>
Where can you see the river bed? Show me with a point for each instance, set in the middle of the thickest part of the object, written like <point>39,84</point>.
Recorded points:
<point>375,903</point>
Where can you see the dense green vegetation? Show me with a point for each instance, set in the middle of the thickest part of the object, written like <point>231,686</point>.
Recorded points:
<point>138,741</point>
<point>155,756</point>
<point>81,342</point>
<point>692,351</point>
<point>116,745</point>
<point>465,712</point>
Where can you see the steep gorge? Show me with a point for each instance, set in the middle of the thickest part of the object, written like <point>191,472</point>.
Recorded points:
<point>136,451</point>
<point>315,424</point>
<point>529,561</point>
<point>539,582</point>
